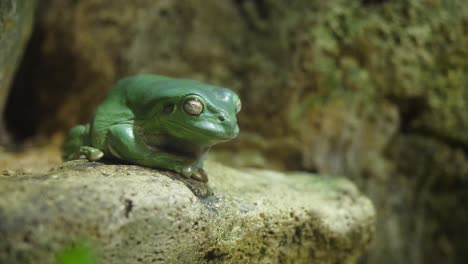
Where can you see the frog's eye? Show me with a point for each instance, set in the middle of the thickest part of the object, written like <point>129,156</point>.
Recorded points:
<point>193,107</point>
<point>238,106</point>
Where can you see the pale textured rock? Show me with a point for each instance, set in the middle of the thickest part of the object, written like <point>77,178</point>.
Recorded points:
<point>132,214</point>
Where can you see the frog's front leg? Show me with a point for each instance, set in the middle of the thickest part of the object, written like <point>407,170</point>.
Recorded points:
<point>123,144</point>
<point>90,153</point>
<point>199,173</point>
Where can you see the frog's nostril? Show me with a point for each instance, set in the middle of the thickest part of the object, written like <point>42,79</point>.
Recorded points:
<point>221,119</point>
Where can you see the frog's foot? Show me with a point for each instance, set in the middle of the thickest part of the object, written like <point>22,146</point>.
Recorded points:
<point>92,154</point>
<point>200,175</point>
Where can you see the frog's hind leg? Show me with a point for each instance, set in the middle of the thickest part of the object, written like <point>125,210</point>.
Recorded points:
<point>77,145</point>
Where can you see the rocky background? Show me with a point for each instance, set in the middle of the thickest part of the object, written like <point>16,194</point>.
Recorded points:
<point>374,90</point>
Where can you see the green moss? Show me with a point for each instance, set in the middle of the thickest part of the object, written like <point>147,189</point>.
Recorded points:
<point>80,252</point>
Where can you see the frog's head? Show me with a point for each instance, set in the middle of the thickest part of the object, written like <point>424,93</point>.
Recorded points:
<point>196,112</point>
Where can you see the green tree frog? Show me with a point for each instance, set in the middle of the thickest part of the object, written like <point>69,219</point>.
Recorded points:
<point>158,122</point>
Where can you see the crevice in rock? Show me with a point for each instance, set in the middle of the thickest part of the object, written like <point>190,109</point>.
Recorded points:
<point>21,113</point>
<point>215,255</point>
<point>128,207</point>
<point>373,2</point>
<point>450,142</point>
<point>261,12</point>
<point>411,110</point>
<point>261,8</point>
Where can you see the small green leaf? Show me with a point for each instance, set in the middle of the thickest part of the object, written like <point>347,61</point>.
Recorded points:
<point>79,252</point>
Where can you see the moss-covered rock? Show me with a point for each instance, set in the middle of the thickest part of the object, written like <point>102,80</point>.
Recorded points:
<point>130,214</point>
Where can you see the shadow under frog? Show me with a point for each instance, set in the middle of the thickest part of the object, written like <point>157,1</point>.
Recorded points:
<point>157,122</point>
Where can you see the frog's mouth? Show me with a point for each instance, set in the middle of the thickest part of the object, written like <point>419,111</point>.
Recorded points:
<point>210,135</point>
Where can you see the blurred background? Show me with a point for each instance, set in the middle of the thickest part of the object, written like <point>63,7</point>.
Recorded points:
<point>373,90</point>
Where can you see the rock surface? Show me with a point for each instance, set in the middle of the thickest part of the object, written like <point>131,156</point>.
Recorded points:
<point>132,214</point>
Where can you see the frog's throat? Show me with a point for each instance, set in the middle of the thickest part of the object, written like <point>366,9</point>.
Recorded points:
<point>195,155</point>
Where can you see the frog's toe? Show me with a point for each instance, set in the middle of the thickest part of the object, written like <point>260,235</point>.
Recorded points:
<point>186,171</point>
<point>200,175</point>
<point>95,155</point>
<point>92,154</point>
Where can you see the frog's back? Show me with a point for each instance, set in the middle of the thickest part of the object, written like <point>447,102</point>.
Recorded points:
<point>120,105</point>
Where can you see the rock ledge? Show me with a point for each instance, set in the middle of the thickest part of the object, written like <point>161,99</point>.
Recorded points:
<point>132,214</point>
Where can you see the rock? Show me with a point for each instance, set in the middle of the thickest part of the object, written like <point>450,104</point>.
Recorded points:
<point>16,19</point>
<point>131,214</point>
